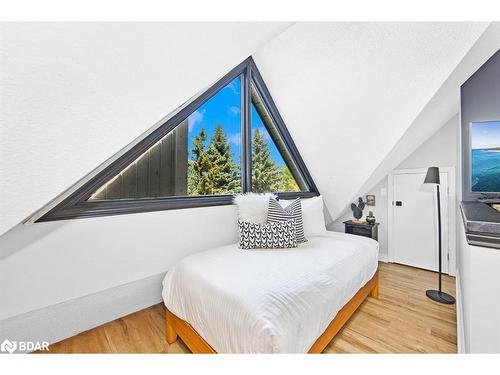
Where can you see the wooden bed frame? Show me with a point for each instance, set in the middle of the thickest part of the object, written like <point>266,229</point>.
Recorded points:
<point>178,327</point>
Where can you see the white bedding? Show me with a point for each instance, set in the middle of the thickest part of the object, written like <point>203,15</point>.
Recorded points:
<point>269,301</point>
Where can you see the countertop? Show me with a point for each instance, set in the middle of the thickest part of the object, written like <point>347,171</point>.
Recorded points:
<point>482,224</point>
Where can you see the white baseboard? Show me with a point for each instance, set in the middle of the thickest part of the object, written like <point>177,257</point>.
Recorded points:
<point>383,258</point>
<point>66,319</point>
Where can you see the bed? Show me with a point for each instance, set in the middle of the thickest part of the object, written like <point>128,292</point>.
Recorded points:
<point>228,300</point>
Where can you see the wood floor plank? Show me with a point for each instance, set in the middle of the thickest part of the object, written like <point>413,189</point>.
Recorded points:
<point>402,320</point>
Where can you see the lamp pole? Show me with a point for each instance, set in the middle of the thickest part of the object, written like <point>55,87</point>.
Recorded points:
<point>439,236</point>
<point>432,177</point>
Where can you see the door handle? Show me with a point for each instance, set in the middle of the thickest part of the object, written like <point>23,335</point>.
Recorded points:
<point>399,203</point>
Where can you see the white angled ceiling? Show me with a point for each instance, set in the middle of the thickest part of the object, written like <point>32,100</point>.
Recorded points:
<point>73,94</point>
<point>348,91</point>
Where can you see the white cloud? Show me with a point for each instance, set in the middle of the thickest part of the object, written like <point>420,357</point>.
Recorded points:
<point>195,118</point>
<point>234,138</point>
<point>233,87</point>
<point>234,111</point>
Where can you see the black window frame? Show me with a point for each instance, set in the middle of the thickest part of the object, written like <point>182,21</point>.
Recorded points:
<point>77,205</point>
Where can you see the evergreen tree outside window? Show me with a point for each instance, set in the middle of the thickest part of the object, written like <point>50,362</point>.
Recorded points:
<point>212,170</point>
<point>266,175</point>
<point>270,171</point>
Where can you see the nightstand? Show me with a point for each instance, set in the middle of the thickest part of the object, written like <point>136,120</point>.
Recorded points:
<point>362,229</point>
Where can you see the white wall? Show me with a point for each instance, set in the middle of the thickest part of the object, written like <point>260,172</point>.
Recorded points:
<point>73,94</point>
<point>480,297</point>
<point>344,89</point>
<point>48,263</point>
<point>441,150</point>
<point>463,286</point>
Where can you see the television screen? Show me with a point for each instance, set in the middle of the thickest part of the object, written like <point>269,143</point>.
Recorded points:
<point>485,156</point>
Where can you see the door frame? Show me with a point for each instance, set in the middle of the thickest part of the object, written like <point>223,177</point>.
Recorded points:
<point>451,213</point>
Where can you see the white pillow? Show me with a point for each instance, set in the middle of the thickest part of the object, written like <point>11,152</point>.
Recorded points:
<point>252,207</point>
<point>312,215</point>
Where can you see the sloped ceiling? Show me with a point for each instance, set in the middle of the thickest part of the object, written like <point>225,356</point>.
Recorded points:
<point>348,91</point>
<point>441,107</point>
<point>73,94</point>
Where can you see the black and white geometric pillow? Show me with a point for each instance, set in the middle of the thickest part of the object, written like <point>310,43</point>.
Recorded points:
<point>276,213</point>
<point>279,235</point>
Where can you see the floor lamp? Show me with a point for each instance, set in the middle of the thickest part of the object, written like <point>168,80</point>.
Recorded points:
<point>432,177</point>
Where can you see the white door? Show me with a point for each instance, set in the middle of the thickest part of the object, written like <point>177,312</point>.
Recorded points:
<point>414,235</point>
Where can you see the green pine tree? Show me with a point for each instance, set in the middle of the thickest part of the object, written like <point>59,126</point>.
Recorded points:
<point>199,167</point>
<point>266,175</point>
<point>212,170</point>
<point>288,182</point>
<point>223,173</point>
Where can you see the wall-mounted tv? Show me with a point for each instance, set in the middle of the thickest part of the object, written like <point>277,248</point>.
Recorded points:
<point>485,157</point>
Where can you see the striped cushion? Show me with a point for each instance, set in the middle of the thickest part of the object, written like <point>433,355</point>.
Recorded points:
<point>276,213</point>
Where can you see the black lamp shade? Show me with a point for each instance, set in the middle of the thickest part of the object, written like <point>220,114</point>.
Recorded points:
<point>432,176</point>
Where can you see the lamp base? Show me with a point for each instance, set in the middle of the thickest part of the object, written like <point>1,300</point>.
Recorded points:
<point>440,297</point>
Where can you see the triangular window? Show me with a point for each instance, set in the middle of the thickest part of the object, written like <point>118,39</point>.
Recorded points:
<point>229,139</point>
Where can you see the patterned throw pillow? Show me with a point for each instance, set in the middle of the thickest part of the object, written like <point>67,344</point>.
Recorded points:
<point>279,235</point>
<point>276,214</point>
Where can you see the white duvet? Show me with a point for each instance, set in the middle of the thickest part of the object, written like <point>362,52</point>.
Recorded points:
<point>269,301</point>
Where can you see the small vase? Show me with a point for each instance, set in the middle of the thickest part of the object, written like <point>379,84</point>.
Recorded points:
<point>370,219</point>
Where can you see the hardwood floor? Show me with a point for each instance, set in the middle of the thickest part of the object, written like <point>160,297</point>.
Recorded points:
<point>402,320</point>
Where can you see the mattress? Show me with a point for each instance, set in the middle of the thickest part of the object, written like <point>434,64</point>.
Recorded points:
<point>269,301</point>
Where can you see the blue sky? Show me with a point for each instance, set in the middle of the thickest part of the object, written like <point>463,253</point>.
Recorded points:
<point>485,134</point>
<point>225,108</point>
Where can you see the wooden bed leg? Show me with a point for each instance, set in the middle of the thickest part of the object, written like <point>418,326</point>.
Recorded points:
<point>374,291</point>
<point>171,334</point>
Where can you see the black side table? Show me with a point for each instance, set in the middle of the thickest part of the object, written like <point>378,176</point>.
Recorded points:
<point>362,229</point>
